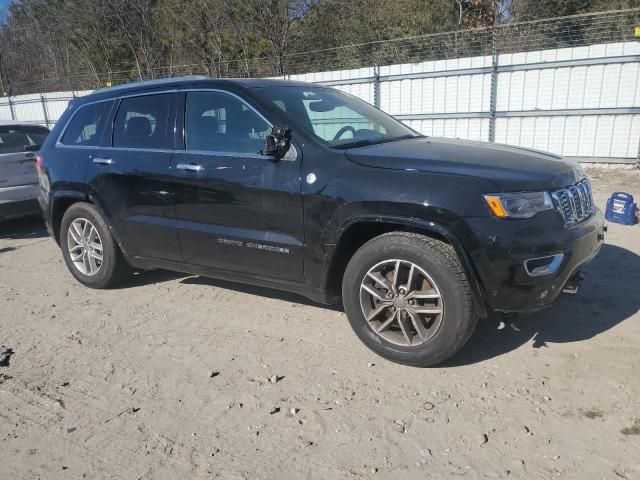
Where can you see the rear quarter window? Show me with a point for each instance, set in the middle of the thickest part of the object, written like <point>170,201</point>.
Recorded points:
<point>87,124</point>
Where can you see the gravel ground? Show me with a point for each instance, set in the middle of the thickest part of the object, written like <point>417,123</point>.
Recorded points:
<point>176,376</point>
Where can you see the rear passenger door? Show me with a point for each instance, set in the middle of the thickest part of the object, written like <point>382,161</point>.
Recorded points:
<point>132,176</point>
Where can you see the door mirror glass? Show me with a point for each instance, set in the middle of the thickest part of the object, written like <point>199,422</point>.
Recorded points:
<point>278,142</point>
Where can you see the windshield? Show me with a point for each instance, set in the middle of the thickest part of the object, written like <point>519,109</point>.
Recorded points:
<point>335,118</point>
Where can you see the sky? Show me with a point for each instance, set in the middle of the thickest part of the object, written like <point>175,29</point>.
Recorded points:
<point>4,5</point>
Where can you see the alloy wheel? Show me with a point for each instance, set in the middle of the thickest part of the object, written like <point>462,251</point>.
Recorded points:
<point>401,302</point>
<point>85,246</point>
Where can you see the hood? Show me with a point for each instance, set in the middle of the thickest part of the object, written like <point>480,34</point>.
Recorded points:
<point>509,168</point>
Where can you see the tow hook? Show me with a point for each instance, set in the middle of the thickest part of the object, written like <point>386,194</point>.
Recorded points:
<point>573,284</point>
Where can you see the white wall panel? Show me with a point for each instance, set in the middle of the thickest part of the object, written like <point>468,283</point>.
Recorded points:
<point>464,128</point>
<point>614,85</point>
<point>606,136</point>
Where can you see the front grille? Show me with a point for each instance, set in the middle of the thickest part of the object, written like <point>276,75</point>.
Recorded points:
<point>575,203</point>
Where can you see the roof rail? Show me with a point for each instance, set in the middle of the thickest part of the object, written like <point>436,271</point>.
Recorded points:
<point>146,83</point>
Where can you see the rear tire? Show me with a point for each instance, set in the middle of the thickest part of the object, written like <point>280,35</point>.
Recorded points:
<point>430,278</point>
<point>89,249</point>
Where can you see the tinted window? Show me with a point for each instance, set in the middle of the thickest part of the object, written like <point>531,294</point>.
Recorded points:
<point>14,138</point>
<point>217,121</point>
<point>87,124</point>
<point>142,122</point>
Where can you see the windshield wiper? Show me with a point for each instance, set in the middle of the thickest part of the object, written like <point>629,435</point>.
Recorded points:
<point>370,141</point>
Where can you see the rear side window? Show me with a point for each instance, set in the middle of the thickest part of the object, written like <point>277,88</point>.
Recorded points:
<point>87,124</point>
<point>142,122</point>
<point>15,138</point>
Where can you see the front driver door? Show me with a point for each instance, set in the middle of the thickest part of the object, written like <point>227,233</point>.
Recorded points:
<point>237,210</point>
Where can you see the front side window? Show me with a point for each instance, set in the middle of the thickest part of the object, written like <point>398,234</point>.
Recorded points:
<point>220,122</point>
<point>141,122</point>
<point>335,118</point>
<point>87,124</point>
<point>16,138</point>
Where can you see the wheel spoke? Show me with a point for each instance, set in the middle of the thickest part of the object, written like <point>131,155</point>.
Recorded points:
<point>74,235</point>
<point>372,291</point>
<point>93,262</point>
<point>95,255</point>
<point>86,263</point>
<point>427,310</point>
<point>417,324</point>
<point>379,278</point>
<point>387,323</point>
<point>95,246</point>
<point>404,326</point>
<point>85,227</point>
<point>78,229</point>
<point>376,311</point>
<point>423,295</point>
<point>410,278</point>
<point>396,274</point>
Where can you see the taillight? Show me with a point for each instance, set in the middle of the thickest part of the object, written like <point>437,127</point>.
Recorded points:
<point>39,162</point>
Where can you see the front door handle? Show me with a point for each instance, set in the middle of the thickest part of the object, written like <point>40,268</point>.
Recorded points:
<point>103,161</point>
<point>192,167</point>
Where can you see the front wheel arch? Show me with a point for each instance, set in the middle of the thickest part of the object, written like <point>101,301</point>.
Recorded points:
<point>359,230</point>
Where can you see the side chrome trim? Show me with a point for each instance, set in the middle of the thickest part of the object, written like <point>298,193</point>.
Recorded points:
<point>224,154</point>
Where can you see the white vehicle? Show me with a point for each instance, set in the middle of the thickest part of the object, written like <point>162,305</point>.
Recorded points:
<point>19,187</point>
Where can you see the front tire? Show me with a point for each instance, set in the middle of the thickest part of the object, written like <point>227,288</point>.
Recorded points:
<point>89,249</point>
<point>408,298</point>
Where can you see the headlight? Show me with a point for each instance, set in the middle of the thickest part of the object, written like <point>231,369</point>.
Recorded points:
<point>519,205</point>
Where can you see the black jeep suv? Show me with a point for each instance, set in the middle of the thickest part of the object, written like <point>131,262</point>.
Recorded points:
<point>305,188</point>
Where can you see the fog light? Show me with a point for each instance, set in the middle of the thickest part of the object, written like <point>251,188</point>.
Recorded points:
<point>537,267</point>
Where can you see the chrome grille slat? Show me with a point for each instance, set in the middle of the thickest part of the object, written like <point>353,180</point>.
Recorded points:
<point>575,202</point>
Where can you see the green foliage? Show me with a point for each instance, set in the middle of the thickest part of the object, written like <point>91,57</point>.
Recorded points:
<point>75,44</point>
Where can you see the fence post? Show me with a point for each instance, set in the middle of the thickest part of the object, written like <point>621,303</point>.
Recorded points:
<point>376,86</point>
<point>494,87</point>
<point>11,110</point>
<point>44,110</point>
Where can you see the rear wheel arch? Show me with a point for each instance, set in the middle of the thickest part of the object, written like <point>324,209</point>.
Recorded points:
<point>64,200</point>
<point>60,205</point>
<point>357,232</point>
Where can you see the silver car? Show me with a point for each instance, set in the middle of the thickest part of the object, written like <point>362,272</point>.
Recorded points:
<point>19,186</point>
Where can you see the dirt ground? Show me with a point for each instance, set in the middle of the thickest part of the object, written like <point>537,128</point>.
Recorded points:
<point>176,376</point>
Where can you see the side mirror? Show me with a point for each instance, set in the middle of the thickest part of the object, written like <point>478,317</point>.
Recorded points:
<point>32,148</point>
<point>278,142</point>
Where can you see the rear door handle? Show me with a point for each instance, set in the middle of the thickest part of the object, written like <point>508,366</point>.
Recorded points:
<point>192,167</point>
<point>103,161</point>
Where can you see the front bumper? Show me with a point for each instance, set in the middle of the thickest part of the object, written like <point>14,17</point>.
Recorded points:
<point>504,245</point>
